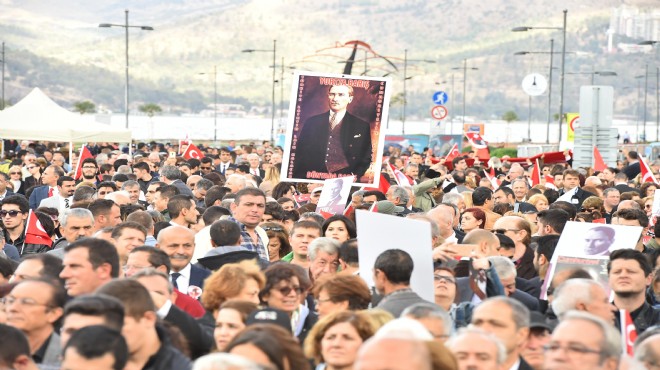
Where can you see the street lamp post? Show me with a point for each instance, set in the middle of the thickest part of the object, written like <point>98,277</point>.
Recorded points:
<point>126,26</point>
<point>274,51</point>
<point>464,68</point>
<point>552,52</point>
<point>215,100</point>
<point>2,101</point>
<point>405,79</point>
<point>563,64</point>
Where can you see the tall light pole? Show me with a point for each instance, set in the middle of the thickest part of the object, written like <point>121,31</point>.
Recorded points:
<point>274,51</point>
<point>126,26</point>
<point>405,79</point>
<point>646,93</point>
<point>563,63</point>
<point>552,52</point>
<point>215,100</point>
<point>2,100</point>
<point>464,68</point>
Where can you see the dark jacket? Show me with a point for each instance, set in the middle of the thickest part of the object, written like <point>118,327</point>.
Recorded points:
<point>643,317</point>
<point>167,356</point>
<point>26,249</point>
<point>313,143</point>
<point>198,340</point>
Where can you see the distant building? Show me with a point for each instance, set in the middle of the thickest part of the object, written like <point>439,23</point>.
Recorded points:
<point>634,22</point>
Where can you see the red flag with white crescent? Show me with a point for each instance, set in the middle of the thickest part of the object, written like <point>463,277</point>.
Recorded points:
<point>193,152</point>
<point>453,153</point>
<point>35,232</point>
<point>628,331</point>
<point>84,154</point>
<point>536,174</point>
<point>647,174</point>
<point>477,141</point>
<point>400,178</point>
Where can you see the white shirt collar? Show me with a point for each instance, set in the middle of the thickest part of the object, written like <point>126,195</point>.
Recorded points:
<point>185,272</point>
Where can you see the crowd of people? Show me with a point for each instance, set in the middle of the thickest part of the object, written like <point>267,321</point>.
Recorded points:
<point>149,260</point>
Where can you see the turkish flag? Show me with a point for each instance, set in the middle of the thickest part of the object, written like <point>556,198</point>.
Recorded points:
<point>647,174</point>
<point>348,209</point>
<point>628,331</point>
<point>35,233</point>
<point>453,153</point>
<point>326,215</point>
<point>492,178</point>
<point>477,141</point>
<point>399,177</point>
<point>536,174</point>
<point>193,152</point>
<point>84,154</point>
<point>599,164</point>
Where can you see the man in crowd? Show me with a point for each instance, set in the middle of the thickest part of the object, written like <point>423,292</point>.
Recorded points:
<point>482,198</point>
<point>551,221</point>
<point>182,210</point>
<point>301,236</point>
<point>89,170</point>
<point>49,179</point>
<point>583,295</point>
<point>88,264</point>
<point>66,185</point>
<point>106,214</point>
<point>248,209</point>
<point>476,349</point>
<point>14,212</point>
<point>611,200</point>
<point>171,175</point>
<point>75,223</point>
<point>392,271</point>
<point>179,243</point>
<point>34,306</point>
<point>323,258</point>
<point>508,320</point>
<point>519,230</point>
<point>88,310</point>
<point>95,347</point>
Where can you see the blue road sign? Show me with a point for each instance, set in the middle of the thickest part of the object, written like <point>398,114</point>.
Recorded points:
<point>440,98</point>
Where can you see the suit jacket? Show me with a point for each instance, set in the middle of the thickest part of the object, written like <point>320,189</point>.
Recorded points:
<point>313,143</point>
<point>465,294</point>
<point>183,188</point>
<point>38,194</point>
<point>632,170</point>
<point>56,202</point>
<point>53,351</point>
<point>524,365</point>
<point>579,197</point>
<point>198,275</point>
<point>623,188</point>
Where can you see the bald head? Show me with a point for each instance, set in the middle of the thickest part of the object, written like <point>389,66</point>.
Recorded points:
<point>488,243</point>
<point>443,219</point>
<point>628,204</point>
<point>393,354</point>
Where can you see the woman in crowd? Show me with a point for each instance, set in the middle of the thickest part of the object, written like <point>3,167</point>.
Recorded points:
<point>648,205</point>
<point>472,219</point>
<point>592,204</point>
<point>341,293</point>
<point>334,342</point>
<point>340,228</point>
<point>647,189</point>
<point>539,201</point>
<point>35,175</point>
<point>284,189</point>
<point>278,245</point>
<point>270,346</point>
<point>241,281</point>
<point>230,321</point>
<point>16,180</point>
<point>285,290</point>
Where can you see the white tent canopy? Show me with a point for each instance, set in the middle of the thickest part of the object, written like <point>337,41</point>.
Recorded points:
<point>37,117</point>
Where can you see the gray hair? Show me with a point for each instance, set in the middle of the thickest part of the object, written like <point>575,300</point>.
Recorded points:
<point>611,344</point>
<point>101,158</point>
<point>150,272</point>
<point>215,361</point>
<point>435,229</point>
<point>503,266</point>
<point>171,172</point>
<point>609,190</point>
<point>205,184</point>
<point>401,193</point>
<point>124,169</point>
<point>76,213</point>
<point>327,245</point>
<point>411,165</point>
<point>83,193</point>
<point>452,199</point>
<point>519,311</point>
<point>643,351</point>
<point>501,349</point>
<point>520,179</point>
<point>227,202</point>
<point>430,311</point>
<point>115,194</point>
<point>570,293</point>
<point>129,184</point>
<point>237,179</point>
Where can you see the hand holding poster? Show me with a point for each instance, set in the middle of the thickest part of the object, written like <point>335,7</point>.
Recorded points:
<point>335,130</point>
<point>334,195</point>
<point>588,246</point>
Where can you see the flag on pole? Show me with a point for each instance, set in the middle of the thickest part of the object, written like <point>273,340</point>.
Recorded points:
<point>192,151</point>
<point>84,154</point>
<point>599,164</point>
<point>35,232</point>
<point>492,178</point>
<point>476,140</point>
<point>399,177</point>
<point>647,174</point>
<point>628,331</point>
<point>453,153</point>
<point>536,173</point>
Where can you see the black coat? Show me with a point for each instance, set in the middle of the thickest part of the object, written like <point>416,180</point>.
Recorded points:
<point>312,145</point>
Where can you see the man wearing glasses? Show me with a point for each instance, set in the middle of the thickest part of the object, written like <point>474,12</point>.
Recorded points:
<point>89,171</point>
<point>33,307</point>
<point>583,341</point>
<point>14,212</point>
